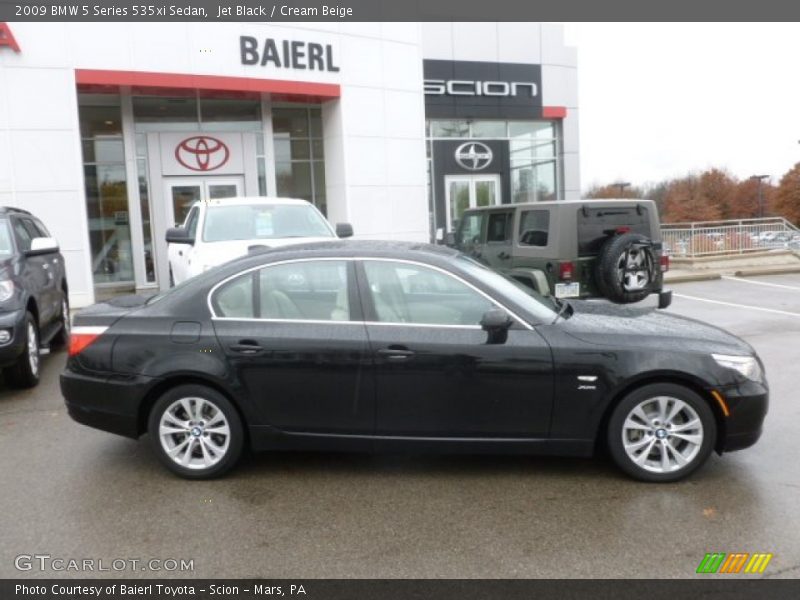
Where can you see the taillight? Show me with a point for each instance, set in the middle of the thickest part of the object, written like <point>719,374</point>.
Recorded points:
<point>81,337</point>
<point>565,270</point>
<point>664,263</point>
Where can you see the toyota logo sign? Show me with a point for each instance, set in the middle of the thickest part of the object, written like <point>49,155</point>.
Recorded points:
<point>473,156</point>
<point>202,153</point>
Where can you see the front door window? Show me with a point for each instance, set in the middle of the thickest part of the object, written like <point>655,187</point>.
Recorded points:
<point>469,191</point>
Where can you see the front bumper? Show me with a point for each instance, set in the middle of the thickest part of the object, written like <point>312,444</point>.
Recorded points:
<point>748,404</point>
<point>13,321</point>
<point>108,402</point>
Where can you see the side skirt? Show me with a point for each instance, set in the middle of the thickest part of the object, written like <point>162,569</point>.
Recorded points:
<point>268,438</point>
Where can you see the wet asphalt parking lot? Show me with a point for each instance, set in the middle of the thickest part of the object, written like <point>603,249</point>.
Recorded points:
<point>72,492</point>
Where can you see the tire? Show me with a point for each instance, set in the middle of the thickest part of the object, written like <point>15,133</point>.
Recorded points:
<point>25,372</point>
<point>659,419</point>
<point>62,337</point>
<point>199,452</point>
<point>612,282</point>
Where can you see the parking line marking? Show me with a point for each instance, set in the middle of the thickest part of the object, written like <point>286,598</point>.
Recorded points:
<point>747,306</point>
<point>777,285</point>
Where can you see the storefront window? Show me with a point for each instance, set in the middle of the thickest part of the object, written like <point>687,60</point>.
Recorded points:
<point>450,129</point>
<point>489,129</point>
<point>106,188</point>
<point>109,228</point>
<point>299,154</point>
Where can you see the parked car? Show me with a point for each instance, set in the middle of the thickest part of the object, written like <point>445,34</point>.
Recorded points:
<point>384,346</point>
<point>216,231</point>
<point>34,300</point>
<point>572,249</point>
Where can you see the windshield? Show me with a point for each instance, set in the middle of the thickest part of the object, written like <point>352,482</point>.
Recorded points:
<point>537,305</point>
<point>263,222</point>
<point>6,246</point>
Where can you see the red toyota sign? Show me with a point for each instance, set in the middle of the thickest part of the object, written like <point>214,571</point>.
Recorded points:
<point>7,38</point>
<point>202,153</point>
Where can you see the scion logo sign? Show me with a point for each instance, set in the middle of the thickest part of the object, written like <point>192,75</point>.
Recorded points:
<point>455,87</point>
<point>474,156</point>
<point>482,90</point>
<point>202,153</point>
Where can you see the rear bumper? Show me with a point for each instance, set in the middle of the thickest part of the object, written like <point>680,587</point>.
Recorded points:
<point>106,402</point>
<point>748,405</point>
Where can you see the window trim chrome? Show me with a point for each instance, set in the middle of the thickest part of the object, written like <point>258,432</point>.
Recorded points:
<point>493,300</point>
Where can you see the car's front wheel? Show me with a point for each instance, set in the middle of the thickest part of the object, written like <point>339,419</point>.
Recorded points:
<point>196,432</point>
<point>661,432</point>
<point>25,372</point>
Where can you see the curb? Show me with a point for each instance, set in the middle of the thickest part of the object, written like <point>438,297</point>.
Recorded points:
<point>766,271</point>
<point>683,278</point>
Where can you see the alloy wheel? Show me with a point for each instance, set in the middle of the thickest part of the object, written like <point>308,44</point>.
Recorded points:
<point>662,434</point>
<point>633,269</point>
<point>194,433</point>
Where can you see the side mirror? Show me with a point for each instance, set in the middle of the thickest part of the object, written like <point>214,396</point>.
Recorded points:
<point>42,245</point>
<point>496,322</point>
<point>344,230</point>
<point>179,235</point>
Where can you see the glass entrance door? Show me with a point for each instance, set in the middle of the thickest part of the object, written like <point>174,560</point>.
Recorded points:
<point>183,191</point>
<point>469,191</point>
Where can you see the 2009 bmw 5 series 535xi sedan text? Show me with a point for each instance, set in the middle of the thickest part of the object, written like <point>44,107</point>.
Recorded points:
<point>383,346</point>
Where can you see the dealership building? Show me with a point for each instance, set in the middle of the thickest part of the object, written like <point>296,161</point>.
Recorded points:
<point>109,131</point>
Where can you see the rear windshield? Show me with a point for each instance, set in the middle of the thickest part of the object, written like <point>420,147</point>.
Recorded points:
<point>264,222</point>
<point>595,224</point>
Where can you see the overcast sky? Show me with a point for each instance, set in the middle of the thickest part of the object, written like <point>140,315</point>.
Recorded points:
<point>659,100</point>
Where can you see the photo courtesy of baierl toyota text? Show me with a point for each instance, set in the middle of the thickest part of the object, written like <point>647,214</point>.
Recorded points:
<point>446,300</point>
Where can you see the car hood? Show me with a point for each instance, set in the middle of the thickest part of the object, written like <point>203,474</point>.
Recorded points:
<point>610,324</point>
<point>216,253</point>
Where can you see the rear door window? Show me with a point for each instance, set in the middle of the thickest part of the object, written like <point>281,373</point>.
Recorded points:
<point>595,224</point>
<point>534,227</point>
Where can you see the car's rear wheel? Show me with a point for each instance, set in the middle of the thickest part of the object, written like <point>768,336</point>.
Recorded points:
<point>626,268</point>
<point>661,432</point>
<point>196,432</point>
<point>25,372</point>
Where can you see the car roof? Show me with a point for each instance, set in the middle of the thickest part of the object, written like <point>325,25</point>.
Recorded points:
<point>349,249</point>
<point>12,209</point>
<point>588,202</point>
<point>253,200</point>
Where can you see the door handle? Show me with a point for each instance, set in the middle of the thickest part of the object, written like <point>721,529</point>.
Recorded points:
<point>504,255</point>
<point>246,347</point>
<point>180,252</point>
<point>395,353</point>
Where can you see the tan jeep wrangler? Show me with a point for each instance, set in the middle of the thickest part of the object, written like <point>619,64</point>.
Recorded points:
<point>572,248</point>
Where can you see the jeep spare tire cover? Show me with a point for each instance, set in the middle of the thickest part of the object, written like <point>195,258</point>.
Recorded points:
<point>626,269</point>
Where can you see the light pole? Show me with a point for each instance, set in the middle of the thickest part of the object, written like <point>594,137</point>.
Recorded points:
<point>760,178</point>
<point>622,185</point>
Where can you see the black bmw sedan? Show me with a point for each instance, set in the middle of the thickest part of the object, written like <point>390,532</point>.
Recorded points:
<point>384,346</point>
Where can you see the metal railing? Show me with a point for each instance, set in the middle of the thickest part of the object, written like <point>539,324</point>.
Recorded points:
<point>709,238</point>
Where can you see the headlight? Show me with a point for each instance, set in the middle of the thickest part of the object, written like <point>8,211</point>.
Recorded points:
<point>746,365</point>
<point>6,289</point>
